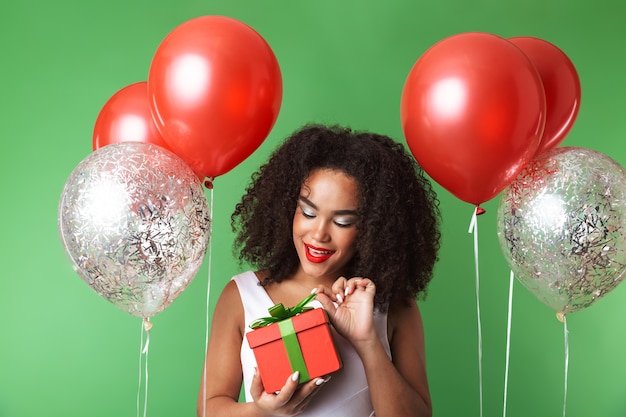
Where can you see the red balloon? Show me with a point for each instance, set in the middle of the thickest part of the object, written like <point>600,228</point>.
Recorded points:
<point>561,85</point>
<point>215,91</point>
<point>472,112</point>
<point>126,117</point>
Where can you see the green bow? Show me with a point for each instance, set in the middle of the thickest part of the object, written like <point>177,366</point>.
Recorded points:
<point>278,312</point>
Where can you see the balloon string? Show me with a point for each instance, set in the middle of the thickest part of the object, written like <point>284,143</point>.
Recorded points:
<point>139,367</point>
<point>566,338</point>
<point>474,228</point>
<point>207,309</point>
<point>143,350</point>
<point>145,399</point>
<point>508,341</point>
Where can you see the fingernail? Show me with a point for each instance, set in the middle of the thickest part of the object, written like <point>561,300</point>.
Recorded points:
<point>321,381</point>
<point>295,376</point>
<point>339,298</point>
<point>347,291</point>
<point>314,291</point>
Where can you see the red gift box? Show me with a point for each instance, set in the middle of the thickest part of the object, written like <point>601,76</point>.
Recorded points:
<point>301,343</point>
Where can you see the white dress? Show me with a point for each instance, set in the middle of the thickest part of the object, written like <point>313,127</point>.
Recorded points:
<point>347,393</point>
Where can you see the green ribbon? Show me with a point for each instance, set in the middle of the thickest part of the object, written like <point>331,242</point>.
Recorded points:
<point>278,313</point>
<point>292,346</point>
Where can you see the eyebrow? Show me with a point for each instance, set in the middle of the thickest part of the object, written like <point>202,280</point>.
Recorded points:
<point>338,212</point>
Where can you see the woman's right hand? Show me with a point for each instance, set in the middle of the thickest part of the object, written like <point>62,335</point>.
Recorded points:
<point>350,307</point>
<point>291,400</point>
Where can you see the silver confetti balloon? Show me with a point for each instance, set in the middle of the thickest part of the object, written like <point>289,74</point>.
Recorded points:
<point>135,222</point>
<point>561,227</point>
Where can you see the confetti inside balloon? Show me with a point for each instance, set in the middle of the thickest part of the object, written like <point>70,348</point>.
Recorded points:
<point>134,220</point>
<point>561,227</point>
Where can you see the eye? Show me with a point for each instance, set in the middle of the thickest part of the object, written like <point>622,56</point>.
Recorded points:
<point>344,222</point>
<point>307,212</point>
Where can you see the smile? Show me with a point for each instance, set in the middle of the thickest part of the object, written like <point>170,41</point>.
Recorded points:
<point>317,255</point>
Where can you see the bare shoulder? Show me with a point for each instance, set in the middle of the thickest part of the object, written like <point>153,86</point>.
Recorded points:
<point>230,292</point>
<point>229,307</point>
<point>404,316</point>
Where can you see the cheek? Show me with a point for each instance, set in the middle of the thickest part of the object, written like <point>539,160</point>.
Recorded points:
<point>298,230</point>
<point>348,240</point>
<point>296,227</point>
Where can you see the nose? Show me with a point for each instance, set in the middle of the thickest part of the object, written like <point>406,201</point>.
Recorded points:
<point>319,231</point>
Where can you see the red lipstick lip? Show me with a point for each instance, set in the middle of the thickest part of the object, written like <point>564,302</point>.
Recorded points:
<point>317,257</point>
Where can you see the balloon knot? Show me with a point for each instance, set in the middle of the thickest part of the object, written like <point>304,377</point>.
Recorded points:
<point>560,316</point>
<point>209,183</point>
<point>147,324</point>
<point>480,210</point>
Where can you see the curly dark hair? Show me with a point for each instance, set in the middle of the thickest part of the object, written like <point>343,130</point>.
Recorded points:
<point>398,214</point>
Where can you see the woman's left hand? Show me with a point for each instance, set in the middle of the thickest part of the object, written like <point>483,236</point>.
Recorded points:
<point>353,315</point>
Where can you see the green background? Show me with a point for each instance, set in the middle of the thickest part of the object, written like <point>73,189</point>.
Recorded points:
<point>64,351</point>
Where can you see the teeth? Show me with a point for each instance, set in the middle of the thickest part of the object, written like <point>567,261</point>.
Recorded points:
<point>316,252</point>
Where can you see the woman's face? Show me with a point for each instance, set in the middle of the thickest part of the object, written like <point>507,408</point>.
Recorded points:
<point>324,224</point>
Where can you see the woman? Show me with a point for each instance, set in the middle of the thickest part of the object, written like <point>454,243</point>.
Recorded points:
<point>350,216</point>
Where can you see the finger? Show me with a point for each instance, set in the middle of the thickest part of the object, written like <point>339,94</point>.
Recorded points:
<point>364,284</point>
<point>339,288</point>
<point>322,289</point>
<point>327,303</point>
<point>358,283</point>
<point>256,386</point>
<point>368,285</point>
<point>287,391</point>
<point>351,285</point>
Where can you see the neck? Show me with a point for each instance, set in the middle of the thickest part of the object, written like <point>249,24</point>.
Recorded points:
<point>311,282</point>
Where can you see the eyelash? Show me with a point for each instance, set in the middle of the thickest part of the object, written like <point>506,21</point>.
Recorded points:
<point>343,225</point>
